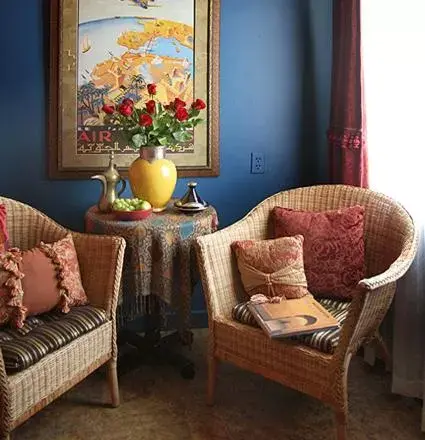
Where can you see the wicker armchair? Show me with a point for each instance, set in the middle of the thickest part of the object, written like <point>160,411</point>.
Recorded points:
<point>390,246</point>
<point>100,258</point>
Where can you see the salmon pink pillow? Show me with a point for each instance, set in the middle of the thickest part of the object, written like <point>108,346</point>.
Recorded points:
<point>64,257</point>
<point>3,231</point>
<point>38,280</point>
<point>273,268</point>
<point>334,259</point>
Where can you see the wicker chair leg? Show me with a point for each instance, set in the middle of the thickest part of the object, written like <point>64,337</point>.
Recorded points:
<point>341,425</point>
<point>341,408</point>
<point>5,429</point>
<point>212,378</point>
<point>113,382</point>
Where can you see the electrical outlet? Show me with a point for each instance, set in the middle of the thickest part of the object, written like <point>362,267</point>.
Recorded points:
<point>257,163</point>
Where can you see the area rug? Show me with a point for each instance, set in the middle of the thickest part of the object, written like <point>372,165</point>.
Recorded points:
<point>157,404</point>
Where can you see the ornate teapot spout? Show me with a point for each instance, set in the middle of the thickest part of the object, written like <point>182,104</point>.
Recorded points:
<point>102,178</point>
<point>110,179</point>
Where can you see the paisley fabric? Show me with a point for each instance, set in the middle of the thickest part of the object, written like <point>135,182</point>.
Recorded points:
<point>333,247</point>
<point>160,261</point>
<point>3,231</point>
<point>272,267</point>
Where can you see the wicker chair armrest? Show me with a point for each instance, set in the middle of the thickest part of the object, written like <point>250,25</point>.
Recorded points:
<point>101,261</point>
<point>392,274</point>
<point>219,274</point>
<point>397,269</point>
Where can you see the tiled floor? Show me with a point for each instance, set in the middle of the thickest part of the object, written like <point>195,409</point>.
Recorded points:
<point>157,404</point>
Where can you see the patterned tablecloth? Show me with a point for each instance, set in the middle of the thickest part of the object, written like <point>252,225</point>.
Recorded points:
<point>159,258</point>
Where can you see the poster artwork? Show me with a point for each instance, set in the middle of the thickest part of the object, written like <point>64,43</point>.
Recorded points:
<point>123,45</point>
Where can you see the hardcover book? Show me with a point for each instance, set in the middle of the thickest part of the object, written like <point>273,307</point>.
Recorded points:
<point>293,317</point>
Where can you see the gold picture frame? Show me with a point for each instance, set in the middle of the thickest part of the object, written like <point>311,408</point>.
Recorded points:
<point>113,48</point>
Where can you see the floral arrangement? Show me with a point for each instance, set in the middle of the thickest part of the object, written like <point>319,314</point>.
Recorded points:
<point>155,124</point>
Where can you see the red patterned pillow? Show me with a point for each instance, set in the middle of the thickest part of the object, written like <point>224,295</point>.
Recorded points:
<point>3,231</point>
<point>272,267</point>
<point>333,247</point>
<point>38,280</point>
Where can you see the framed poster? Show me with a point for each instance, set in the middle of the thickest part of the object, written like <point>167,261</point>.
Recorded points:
<point>108,50</point>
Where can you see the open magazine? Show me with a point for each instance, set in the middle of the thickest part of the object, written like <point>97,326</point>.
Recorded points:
<point>292,317</point>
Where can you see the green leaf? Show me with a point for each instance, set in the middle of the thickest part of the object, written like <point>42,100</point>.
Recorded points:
<point>182,136</point>
<point>196,121</point>
<point>138,140</point>
<point>163,140</point>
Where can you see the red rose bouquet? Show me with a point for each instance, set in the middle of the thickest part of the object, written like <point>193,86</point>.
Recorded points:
<point>155,124</point>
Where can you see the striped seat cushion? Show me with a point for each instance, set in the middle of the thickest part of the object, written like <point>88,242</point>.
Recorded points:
<point>325,341</point>
<point>44,334</point>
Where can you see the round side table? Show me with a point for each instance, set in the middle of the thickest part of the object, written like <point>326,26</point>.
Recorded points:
<point>159,262</point>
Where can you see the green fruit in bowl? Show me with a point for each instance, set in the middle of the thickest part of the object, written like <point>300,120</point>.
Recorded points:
<point>145,205</point>
<point>128,205</point>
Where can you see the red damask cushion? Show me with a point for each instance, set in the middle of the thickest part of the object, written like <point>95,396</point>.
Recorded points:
<point>3,231</point>
<point>273,268</point>
<point>38,280</point>
<point>333,247</point>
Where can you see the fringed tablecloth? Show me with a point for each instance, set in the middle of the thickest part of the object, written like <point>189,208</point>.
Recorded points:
<point>159,258</point>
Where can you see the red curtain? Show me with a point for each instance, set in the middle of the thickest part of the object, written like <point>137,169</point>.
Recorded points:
<point>347,129</point>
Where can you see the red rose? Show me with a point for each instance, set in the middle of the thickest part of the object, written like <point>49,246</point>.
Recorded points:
<point>128,101</point>
<point>145,120</point>
<point>108,109</point>
<point>198,104</point>
<point>181,114</point>
<point>125,110</point>
<point>179,103</point>
<point>150,106</point>
<point>152,89</point>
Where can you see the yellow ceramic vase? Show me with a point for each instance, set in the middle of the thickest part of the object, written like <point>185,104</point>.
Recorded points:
<point>153,177</point>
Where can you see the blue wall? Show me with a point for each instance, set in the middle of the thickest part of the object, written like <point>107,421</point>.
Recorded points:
<point>275,75</point>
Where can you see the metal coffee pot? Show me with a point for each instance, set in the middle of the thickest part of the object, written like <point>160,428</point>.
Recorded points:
<point>110,180</point>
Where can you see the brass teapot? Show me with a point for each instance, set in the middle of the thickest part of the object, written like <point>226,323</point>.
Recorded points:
<point>110,180</point>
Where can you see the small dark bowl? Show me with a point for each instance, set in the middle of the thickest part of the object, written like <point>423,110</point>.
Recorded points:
<point>140,214</point>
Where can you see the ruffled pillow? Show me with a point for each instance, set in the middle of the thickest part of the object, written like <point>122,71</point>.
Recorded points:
<point>11,292</point>
<point>64,257</point>
<point>38,280</point>
<point>273,268</point>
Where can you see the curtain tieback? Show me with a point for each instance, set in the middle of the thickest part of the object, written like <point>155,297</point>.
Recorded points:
<point>345,137</point>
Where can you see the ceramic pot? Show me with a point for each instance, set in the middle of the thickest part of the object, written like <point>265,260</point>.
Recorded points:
<point>191,201</point>
<point>153,177</point>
